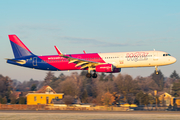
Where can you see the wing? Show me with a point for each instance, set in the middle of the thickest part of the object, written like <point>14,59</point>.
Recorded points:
<point>79,62</point>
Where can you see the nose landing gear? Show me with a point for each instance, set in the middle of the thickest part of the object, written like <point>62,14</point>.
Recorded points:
<point>156,68</point>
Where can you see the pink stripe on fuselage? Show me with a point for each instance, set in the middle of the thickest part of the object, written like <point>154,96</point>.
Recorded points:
<point>64,64</point>
<point>17,41</point>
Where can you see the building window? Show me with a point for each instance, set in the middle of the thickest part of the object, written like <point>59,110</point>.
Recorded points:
<point>35,98</point>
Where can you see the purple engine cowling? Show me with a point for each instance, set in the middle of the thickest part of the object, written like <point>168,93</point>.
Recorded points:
<point>107,68</point>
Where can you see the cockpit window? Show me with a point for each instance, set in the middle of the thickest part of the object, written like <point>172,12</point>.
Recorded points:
<point>166,55</point>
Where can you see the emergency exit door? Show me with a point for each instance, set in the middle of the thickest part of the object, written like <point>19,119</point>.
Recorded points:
<point>34,61</point>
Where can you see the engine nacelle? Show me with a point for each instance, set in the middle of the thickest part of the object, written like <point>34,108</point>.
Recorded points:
<point>107,68</point>
<point>115,70</point>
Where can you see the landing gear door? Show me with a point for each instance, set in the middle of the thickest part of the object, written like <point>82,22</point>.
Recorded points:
<point>155,55</point>
<point>34,61</point>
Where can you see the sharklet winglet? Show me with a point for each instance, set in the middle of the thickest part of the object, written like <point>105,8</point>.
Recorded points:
<point>58,51</point>
<point>84,51</point>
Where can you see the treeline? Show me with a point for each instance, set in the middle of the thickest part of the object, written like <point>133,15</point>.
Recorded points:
<point>7,91</point>
<point>105,89</point>
<point>117,89</point>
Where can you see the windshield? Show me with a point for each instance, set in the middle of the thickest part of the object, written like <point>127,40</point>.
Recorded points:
<point>166,55</point>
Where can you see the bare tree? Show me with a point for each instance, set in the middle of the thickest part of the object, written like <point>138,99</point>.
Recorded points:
<point>68,99</point>
<point>107,98</point>
<point>68,87</point>
<point>49,78</point>
<point>126,85</point>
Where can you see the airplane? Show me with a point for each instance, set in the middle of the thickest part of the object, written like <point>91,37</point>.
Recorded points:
<point>92,62</point>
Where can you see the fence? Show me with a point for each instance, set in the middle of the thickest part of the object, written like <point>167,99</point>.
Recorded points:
<point>50,107</point>
<point>22,107</point>
<point>96,108</point>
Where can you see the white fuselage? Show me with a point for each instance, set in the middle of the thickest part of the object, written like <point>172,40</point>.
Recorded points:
<point>138,59</point>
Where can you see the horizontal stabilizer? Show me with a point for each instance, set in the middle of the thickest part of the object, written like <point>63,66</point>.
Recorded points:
<point>17,61</point>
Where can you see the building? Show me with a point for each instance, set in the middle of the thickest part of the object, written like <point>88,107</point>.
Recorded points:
<point>16,94</point>
<point>45,95</point>
<point>165,98</point>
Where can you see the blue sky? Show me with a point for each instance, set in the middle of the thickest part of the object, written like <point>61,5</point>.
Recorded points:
<point>90,25</point>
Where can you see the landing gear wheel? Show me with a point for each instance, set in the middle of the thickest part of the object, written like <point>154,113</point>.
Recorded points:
<point>88,75</point>
<point>94,75</point>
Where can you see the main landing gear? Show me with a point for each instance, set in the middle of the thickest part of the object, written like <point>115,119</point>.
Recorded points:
<point>89,75</point>
<point>90,70</point>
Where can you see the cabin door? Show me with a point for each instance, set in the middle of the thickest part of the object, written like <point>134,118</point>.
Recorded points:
<point>155,55</point>
<point>34,61</point>
<point>121,59</point>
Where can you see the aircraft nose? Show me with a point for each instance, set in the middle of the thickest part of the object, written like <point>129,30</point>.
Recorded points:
<point>173,59</point>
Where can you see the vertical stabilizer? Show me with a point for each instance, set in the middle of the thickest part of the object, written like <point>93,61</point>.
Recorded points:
<point>18,47</point>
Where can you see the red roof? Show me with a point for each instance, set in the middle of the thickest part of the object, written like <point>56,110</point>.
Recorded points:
<point>16,94</point>
<point>45,89</point>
